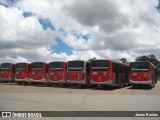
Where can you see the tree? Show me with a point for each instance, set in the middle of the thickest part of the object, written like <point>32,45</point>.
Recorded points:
<point>92,59</point>
<point>151,58</point>
<point>124,60</point>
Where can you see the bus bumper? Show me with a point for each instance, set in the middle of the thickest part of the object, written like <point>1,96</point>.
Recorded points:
<point>110,82</point>
<point>149,82</point>
<point>22,80</point>
<point>75,82</point>
<point>56,82</point>
<point>38,81</point>
<point>6,79</point>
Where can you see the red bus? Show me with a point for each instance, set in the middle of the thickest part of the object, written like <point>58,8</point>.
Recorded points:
<point>7,72</point>
<point>22,71</point>
<point>78,72</point>
<point>142,72</point>
<point>38,72</point>
<point>57,72</point>
<point>109,73</point>
<point>0,73</point>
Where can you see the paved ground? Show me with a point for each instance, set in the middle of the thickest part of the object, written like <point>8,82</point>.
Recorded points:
<point>15,97</point>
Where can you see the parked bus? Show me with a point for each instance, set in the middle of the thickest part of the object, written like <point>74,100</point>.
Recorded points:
<point>109,73</point>
<point>22,71</point>
<point>7,72</point>
<point>57,72</point>
<point>143,73</point>
<point>38,72</point>
<point>0,73</point>
<point>78,72</point>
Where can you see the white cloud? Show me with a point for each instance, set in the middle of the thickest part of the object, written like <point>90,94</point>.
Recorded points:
<point>21,36</point>
<point>123,28</point>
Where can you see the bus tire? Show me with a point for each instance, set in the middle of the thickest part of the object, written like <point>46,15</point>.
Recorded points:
<point>152,84</point>
<point>121,86</point>
<point>134,86</point>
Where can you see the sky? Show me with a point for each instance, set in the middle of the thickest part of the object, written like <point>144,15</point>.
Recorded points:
<point>63,30</point>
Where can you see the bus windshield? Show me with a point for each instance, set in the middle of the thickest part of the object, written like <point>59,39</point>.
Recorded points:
<point>100,65</point>
<point>76,65</point>
<point>5,66</point>
<point>139,66</point>
<point>20,66</point>
<point>37,66</point>
<point>55,66</point>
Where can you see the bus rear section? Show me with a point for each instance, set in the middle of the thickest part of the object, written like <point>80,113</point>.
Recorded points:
<point>143,73</point>
<point>22,71</point>
<point>7,72</point>
<point>38,72</point>
<point>109,73</point>
<point>78,73</point>
<point>57,72</point>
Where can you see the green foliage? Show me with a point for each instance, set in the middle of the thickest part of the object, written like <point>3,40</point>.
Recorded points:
<point>92,59</point>
<point>151,58</point>
<point>124,60</point>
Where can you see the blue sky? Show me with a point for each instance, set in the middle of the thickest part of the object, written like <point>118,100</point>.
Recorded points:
<point>158,7</point>
<point>61,47</point>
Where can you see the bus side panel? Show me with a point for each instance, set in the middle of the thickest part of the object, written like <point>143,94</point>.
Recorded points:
<point>121,74</point>
<point>153,74</point>
<point>28,71</point>
<point>44,71</point>
<point>87,73</point>
<point>115,72</point>
<point>111,71</point>
<point>0,72</point>
<point>65,71</point>
<point>12,72</point>
<point>127,75</point>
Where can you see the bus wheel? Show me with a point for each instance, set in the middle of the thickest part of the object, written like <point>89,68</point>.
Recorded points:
<point>134,86</point>
<point>152,84</point>
<point>121,86</point>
